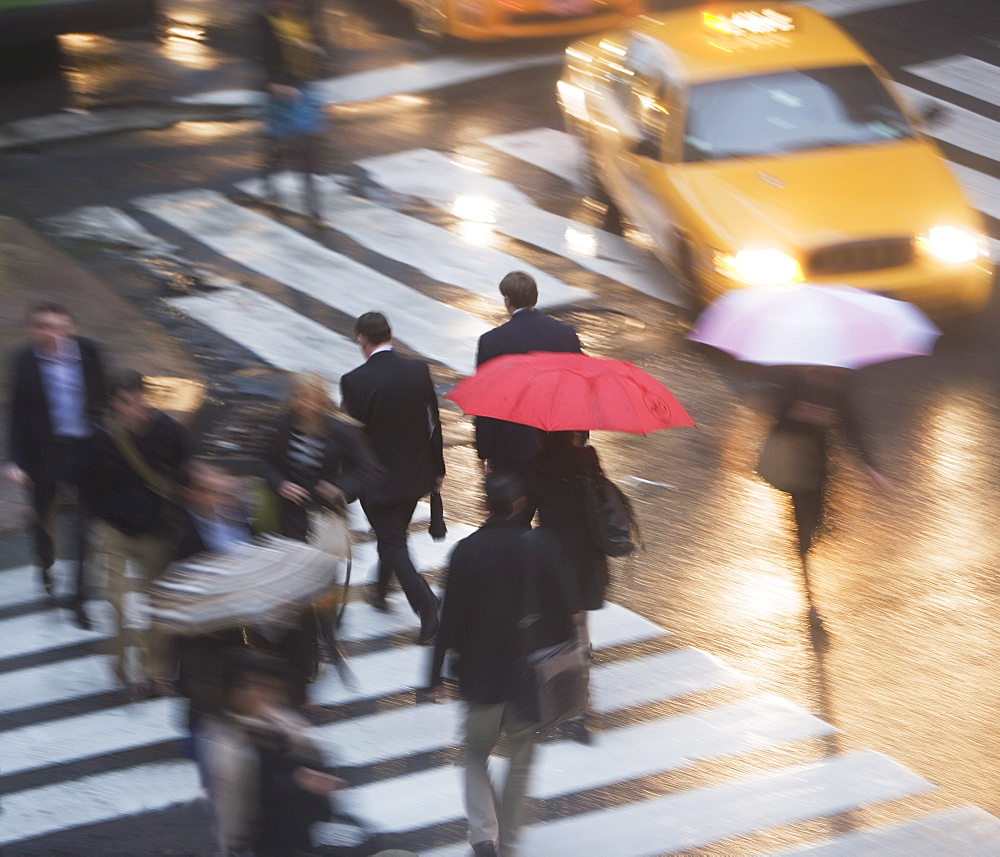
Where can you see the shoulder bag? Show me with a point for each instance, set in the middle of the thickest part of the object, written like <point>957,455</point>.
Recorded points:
<point>610,517</point>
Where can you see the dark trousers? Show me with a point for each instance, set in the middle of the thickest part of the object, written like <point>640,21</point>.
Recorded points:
<point>390,524</point>
<point>66,467</point>
<point>808,507</point>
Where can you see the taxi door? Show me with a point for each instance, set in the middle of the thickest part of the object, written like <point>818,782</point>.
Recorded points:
<point>646,118</point>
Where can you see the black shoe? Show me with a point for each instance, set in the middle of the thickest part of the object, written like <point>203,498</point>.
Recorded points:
<point>484,849</point>
<point>46,575</point>
<point>375,598</point>
<point>576,730</point>
<point>81,618</point>
<point>429,624</point>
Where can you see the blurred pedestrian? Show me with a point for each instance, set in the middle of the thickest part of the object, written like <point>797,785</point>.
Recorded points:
<point>395,400</point>
<point>137,470</point>
<point>556,483</point>
<point>484,605</point>
<point>314,460</point>
<point>266,781</point>
<point>293,114</point>
<point>502,445</point>
<point>57,394</point>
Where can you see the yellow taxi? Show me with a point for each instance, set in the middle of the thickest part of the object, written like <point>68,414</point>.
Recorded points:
<point>758,144</point>
<point>493,20</point>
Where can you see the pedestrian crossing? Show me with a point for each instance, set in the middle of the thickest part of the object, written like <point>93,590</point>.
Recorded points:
<point>65,773</point>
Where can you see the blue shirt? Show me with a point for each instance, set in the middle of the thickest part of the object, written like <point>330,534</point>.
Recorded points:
<point>62,378</point>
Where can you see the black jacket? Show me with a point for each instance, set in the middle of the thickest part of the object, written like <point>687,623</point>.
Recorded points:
<point>485,599</point>
<point>395,399</point>
<point>30,439</point>
<point>506,444</point>
<point>348,463</point>
<point>120,496</point>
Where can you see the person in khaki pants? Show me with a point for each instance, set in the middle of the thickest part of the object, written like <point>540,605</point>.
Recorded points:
<point>139,462</point>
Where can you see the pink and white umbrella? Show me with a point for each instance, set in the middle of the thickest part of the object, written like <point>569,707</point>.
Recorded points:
<point>807,325</point>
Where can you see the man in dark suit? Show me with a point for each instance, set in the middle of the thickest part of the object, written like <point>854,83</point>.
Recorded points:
<point>395,399</point>
<point>57,393</point>
<point>504,446</point>
<point>484,620</point>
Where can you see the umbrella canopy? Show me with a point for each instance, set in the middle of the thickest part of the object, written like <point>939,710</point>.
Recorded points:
<point>265,583</point>
<point>814,325</point>
<point>569,392</point>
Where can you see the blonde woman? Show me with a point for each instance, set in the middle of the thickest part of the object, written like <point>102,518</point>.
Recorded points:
<point>315,460</point>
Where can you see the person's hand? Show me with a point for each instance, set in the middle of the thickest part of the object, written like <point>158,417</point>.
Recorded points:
<point>283,90</point>
<point>16,475</point>
<point>437,694</point>
<point>295,493</point>
<point>311,780</point>
<point>329,492</point>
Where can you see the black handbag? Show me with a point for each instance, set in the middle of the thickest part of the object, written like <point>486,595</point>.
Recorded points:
<point>610,518</point>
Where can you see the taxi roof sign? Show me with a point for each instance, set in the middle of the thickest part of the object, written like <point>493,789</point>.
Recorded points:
<point>746,22</point>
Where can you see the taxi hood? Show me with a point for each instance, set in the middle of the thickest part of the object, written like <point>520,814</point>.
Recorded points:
<point>814,198</point>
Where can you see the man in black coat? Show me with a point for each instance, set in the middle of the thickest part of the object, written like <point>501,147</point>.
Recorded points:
<point>395,400</point>
<point>503,445</point>
<point>484,605</point>
<point>57,393</point>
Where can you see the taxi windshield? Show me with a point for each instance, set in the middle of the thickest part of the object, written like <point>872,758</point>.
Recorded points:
<point>790,111</point>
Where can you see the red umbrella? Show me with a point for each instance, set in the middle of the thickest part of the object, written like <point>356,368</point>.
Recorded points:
<point>569,392</point>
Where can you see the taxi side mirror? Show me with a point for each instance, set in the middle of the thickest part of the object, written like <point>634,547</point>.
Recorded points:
<point>647,148</point>
<point>933,113</point>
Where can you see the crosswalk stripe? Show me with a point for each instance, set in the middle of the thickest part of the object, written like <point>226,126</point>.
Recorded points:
<point>276,334</point>
<point>20,586</point>
<point>984,190</point>
<point>40,632</point>
<point>450,186</point>
<point>964,74</point>
<point>70,739</point>
<point>698,817</point>
<point>402,79</point>
<point>422,728</point>
<point>433,329</point>
<point>964,832</point>
<point>554,151</point>
<point>627,753</point>
<point>442,255</point>
<point>961,127</point>
<point>32,687</point>
<point>102,797</point>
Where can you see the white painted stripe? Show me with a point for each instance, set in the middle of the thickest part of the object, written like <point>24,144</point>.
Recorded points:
<point>458,189</point>
<point>429,327</point>
<point>103,797</point>
<point>276,334</point>
<point>110,226</point>
<point>459,259</point>
<point>401,79</point>
<point>553,151</point>
<point>73,738</point>
<point>964,832</point>
<point>39,632</point>
<point>422,728</point>
<point>399,670</point>
<point>967,75</point>
<point>20,586</point>
<point>699,817</point>
<point>960,127</point>
<point>21,690</point>
<point>622,754</point>
<point>839,8</point>
<point>984,190</point>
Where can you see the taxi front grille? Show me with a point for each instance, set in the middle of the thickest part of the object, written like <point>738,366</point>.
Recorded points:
<point>862,256</point>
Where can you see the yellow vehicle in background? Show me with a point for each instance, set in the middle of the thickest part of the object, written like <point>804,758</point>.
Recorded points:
<point>494,20</point>
<point>758,144</point>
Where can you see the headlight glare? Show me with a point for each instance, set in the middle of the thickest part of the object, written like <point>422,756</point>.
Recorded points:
<point>952,244</point>
<point>758,267</point>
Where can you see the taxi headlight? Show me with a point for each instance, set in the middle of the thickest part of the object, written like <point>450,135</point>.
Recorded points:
<point>952,244</point>
<point>758,267</point>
